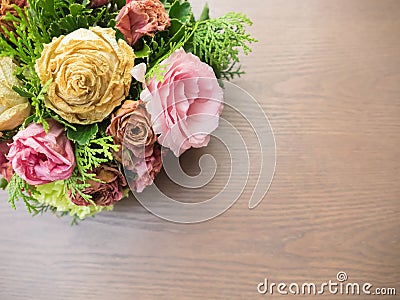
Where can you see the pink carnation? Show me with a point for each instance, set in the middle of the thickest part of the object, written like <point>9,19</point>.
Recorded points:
<point>40,157</point>
<point>6,169</point>
<point>186,106</point>
<point>142,17</point>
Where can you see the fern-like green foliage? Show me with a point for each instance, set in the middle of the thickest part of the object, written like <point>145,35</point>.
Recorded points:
<point>36,92</point>
<point>61,17</point>
<point>26,44</point>
<point>89,156</point>
<point>76,185</point>
<point>218,42</point>
<point>93,154</point>
<point>17,189</point>
<point>69,15</point>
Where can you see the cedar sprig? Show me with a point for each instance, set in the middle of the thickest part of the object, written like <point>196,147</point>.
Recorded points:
<point>17,189</point>
<point>219,41</point>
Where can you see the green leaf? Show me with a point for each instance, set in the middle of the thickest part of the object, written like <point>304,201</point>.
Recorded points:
<point>48,5</point>
<point>119,35</point>
<point>82,22</point>
<point>177,31</point>
<point>145,52</point>
<point>22,92</point>
<point>181,11</point>
<point>55,29</point>
<point>3,184</point>
<point>176,25</point>
<point>67,125</point>
<point>75,9</point>
<point>120,3</point>
<point>8,135</point>
<point>83,133</point>
<point>68,23</point>
<point>45,125</point>
<point>205,14</point>
<point>28,121</point>
<point>112,23</point>
<point>167,3</point>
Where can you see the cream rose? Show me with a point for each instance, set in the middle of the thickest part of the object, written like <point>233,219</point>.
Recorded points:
<point>14,109</point>
<point>90,75</point>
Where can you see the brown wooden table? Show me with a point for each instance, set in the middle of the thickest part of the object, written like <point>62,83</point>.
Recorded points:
<point>327,73</point>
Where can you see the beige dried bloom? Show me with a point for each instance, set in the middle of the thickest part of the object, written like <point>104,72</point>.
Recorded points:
<point>14,109</point>
<point>90,73</point>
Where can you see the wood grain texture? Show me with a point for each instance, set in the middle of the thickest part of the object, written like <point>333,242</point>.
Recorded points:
<point>327,74</point>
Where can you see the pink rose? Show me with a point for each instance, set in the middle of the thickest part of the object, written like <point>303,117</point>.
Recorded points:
<point>145,169</point>
<point>6,169</point>
<point>186,106</point>
<point>142,17</point>
<point>40,157</point>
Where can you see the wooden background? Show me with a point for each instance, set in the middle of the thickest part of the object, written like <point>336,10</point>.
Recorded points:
<point>327,73</point>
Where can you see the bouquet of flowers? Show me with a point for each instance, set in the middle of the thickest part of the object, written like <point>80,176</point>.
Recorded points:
<point>86,85</point>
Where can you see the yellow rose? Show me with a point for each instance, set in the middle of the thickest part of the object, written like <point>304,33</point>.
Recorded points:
<point>90,74</point>
<point>14,109</point>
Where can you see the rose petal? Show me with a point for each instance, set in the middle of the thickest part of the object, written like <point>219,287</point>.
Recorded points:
<point>139,71</point>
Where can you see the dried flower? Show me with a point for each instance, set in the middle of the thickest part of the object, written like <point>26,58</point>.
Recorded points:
<point>145,169</point>
<point>142,17</point>
<point>98,3</point>
<point>106,192</point>
<point>131,126</point>
<point>6,169</point>
<point>90,73</point>
<point>14,109</point>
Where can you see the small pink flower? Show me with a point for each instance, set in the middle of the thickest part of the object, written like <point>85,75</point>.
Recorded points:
<point>40,157</point>
<point>6,169</point>
<point>146,169</point>
<point>186,106</point>
<point>142,17</point>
